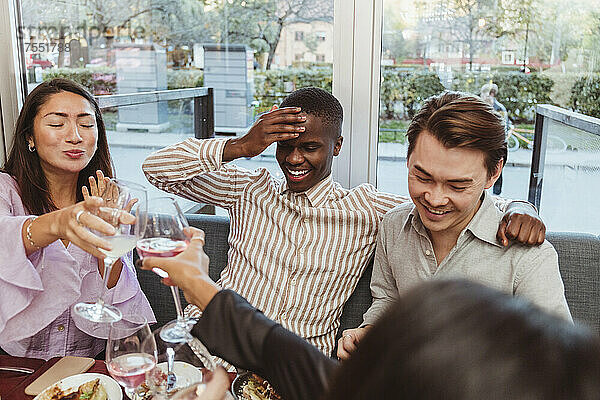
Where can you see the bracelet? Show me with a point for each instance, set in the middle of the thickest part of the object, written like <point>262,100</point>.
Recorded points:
<point>28,233</point>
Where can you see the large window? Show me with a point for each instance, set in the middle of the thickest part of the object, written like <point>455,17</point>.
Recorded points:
<point>247,50</point>
<point>536,52</point>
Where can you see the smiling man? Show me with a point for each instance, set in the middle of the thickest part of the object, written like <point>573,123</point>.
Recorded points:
<point>456,151</point>
<point>298,246</point>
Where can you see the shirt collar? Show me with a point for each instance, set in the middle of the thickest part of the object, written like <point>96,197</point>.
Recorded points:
<point>484,224</point>
<point>414,220</point>
<point>317,194</point>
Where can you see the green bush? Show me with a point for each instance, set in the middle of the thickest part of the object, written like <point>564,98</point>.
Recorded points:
<point>419,87</point>
<point>585,95</point>
<point>184,78</point>
<point>272,86</point>
<point>469,82</point>
<point>98,80</point>
<point>406,88</point>
<point>392,91</point>
<point>518,92</point>
<point>102,80</point>
<point>563,83</point>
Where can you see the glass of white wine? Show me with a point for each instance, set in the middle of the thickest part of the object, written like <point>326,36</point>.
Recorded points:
<point>119,197</point>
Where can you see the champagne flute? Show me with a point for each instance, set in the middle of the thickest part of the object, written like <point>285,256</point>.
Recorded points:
<point>119,197</point>
<point>130,352</point>
<point>164,237</point>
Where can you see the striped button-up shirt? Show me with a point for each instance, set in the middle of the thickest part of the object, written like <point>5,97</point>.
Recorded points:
<point>295,256</point>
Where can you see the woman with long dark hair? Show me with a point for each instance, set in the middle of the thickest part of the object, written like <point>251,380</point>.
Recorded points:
<point>50,260</point>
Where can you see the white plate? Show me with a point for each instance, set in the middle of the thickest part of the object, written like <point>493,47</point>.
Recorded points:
<point>186,373</point>
<point>112,387</point>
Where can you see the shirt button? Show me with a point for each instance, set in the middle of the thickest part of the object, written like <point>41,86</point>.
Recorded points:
<point>283,315</point>
<point>60,328</point>
<point>305,219</point>
<point>293,281</point>
<point>428,252</point>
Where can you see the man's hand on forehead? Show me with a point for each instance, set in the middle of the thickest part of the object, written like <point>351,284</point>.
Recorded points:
<point>274,126</point>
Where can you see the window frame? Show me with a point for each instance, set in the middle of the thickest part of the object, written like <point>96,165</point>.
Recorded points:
<point>12,69</point>
<point>356,80</point>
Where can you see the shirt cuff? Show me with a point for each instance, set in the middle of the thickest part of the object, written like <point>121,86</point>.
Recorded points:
<point>210,153</point>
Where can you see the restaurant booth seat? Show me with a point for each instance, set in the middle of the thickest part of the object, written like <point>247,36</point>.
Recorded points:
<point>578,253</point>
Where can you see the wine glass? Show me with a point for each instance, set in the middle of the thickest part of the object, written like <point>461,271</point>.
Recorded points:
<point>119,196</point>
<point>186,367</point>
<point>130,352</point>
<point>164,237</point>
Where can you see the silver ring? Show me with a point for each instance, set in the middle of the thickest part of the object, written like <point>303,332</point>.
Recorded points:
<point>78,215</point>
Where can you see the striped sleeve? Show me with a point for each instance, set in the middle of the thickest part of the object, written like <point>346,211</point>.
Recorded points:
<point>384,202</point>
<point>194,169</point>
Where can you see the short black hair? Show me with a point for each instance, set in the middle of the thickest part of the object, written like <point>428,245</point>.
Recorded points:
<point>320,103</point>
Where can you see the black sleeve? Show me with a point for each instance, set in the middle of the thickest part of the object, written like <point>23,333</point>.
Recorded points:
<point>237,332</point>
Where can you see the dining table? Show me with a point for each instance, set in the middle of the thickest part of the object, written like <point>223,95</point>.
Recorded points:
<point>13,384</point>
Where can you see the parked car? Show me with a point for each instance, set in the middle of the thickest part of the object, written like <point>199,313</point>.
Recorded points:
<point>38,60</point>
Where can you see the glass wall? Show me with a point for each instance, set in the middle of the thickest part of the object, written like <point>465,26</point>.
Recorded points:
<point>535,52</point>
<point>252,52</point>
<point>571,180</point>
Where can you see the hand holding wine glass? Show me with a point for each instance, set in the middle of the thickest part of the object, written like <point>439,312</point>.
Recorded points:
<point>164,236</point>
<point>130,352</point>
<point>123,209</point>
<point>188,270</point>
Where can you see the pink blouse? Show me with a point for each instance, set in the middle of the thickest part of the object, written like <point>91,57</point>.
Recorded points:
<point>37,292</point>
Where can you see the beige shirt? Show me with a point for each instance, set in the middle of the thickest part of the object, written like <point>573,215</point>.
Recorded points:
<point>295,256</point>
<point>405,257</point>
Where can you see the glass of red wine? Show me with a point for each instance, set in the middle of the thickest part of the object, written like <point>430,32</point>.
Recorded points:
<point>164,237</point>
<point>130,352</point>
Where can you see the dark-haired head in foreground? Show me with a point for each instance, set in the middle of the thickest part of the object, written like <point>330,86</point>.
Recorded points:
<point>306,160</point>
<point>458,340</point>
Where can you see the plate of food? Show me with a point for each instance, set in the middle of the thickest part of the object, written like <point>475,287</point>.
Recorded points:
<point>249,386</point>
<point>88,386</point>
<point>186,374</point>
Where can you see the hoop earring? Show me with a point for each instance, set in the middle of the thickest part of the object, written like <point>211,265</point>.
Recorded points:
<point>30,147</point>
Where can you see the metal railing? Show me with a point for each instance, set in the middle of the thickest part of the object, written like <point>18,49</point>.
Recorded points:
<point>204,114</point>
<point>546,113</point>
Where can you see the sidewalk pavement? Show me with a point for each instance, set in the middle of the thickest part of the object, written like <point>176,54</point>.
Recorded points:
<point>386,151</point>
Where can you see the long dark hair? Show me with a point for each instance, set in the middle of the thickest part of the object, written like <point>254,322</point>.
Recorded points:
<point>24,166</point>
<point>458,340</point>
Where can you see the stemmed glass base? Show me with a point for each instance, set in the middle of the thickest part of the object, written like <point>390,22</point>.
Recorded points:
<point>97,312</point>
<point>178,330</point>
